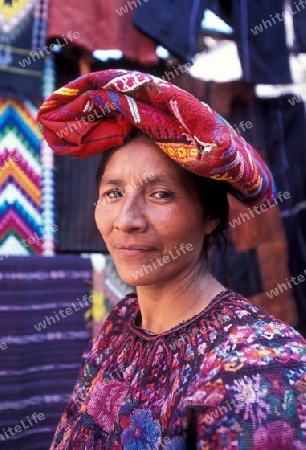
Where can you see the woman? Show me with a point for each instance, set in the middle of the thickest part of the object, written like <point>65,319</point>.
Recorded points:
<point>187,363</point>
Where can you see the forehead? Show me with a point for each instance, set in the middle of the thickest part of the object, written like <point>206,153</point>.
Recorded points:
<point>143,155</point>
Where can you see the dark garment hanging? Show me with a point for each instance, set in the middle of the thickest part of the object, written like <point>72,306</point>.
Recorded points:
<point>299,26</point>
<point>175,24</point>
<point>284,133</point>
<point>241,270</point>
<point>261,41</point>
<point>223,9</point>
<point>261,250</point>
<point>22,51</point>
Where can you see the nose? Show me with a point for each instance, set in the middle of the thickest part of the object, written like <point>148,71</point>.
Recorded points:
<point>131,214</point>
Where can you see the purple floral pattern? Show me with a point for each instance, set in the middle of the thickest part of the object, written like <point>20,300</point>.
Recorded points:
<point>277,435</point>
<point>105,402</point>
<point>230,378</point>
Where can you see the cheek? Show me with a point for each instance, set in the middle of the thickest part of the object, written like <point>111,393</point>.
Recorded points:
<point>183,224</point>
<point>97,219</point>
<point>182,229</point>
<point>101,222</point>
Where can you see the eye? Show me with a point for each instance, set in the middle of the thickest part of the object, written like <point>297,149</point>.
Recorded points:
<point>162,195</point>
<point>113,194</point>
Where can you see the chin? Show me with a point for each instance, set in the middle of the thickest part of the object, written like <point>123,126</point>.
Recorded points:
<point>134,278</point>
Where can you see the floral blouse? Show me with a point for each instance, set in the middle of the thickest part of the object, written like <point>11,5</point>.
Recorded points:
<point>231,377</point>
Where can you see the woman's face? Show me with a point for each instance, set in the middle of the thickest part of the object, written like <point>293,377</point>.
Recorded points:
<point>149,215</point>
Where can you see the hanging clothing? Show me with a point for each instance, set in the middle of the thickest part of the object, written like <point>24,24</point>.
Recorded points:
<point>261,40</point>
<point>101,25</point>
<point>22,51</point>
<point>230,376</point>
<point>284,134</point>
<point>299,21</point>
<point>175,24</point>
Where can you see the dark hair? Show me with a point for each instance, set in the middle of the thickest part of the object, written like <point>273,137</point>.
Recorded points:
<point>213,199</point>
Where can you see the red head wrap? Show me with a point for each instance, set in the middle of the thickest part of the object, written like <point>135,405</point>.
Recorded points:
<point>97,112</point>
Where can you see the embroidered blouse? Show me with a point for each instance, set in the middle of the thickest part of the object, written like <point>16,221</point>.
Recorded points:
<point>231,377</point>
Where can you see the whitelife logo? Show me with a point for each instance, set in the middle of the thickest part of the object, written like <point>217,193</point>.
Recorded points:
<point>295,99</point>
<point>49,320</point>
<point>258,210</point>
<point>131,5</point>
<point>279,289</point>
<point>160,262</point>
<point>80,122</point>
<point>3,345</point>
<point>14,248</point>
<point>23,426</point>
<point>48,49</point>
<point>220,411</point>
<point>271,21</point>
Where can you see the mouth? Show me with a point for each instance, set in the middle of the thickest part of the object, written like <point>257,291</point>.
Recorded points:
<point>134,250</point>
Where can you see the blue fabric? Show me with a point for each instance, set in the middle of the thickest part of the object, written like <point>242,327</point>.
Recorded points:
<point>284,133</point>
<point>299,21</point>
<point>264,55</point>
<point>175,24</point>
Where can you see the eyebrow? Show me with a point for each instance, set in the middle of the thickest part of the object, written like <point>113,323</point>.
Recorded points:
<point>157,179</point>
<point>110,181</point>
<point>163,178</point>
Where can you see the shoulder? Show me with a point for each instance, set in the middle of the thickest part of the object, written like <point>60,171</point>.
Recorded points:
<point>253,366</point>
<point>247,322</point>
<point>245,337</point>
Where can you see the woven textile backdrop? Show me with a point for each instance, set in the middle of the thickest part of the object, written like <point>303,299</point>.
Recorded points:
<point>22,34</point>
<point>20,180</point>
<point>38,368</point>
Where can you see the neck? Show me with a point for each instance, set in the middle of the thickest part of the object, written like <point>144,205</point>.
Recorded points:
<point>164,307</point>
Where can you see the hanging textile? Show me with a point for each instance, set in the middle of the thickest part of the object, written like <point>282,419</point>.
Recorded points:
<point>20,180</point>
<point>284,133</point>
<point>49,229</point>
<point>175,24</point>
<point>25,227</point>
<point>299,20</point>
<point>75,195</point>
<point>261,40</point>
<point>22,51</point>
<point>102,25</point>
<point>42,338</point>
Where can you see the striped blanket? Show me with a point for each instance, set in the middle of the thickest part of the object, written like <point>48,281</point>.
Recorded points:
<point>42,338</point>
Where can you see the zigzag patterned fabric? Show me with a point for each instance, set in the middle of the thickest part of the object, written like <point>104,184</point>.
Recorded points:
<point>98,111</point>
<point>20,180</point>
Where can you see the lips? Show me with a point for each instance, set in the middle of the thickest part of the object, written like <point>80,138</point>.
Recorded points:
<point>134,249</point>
